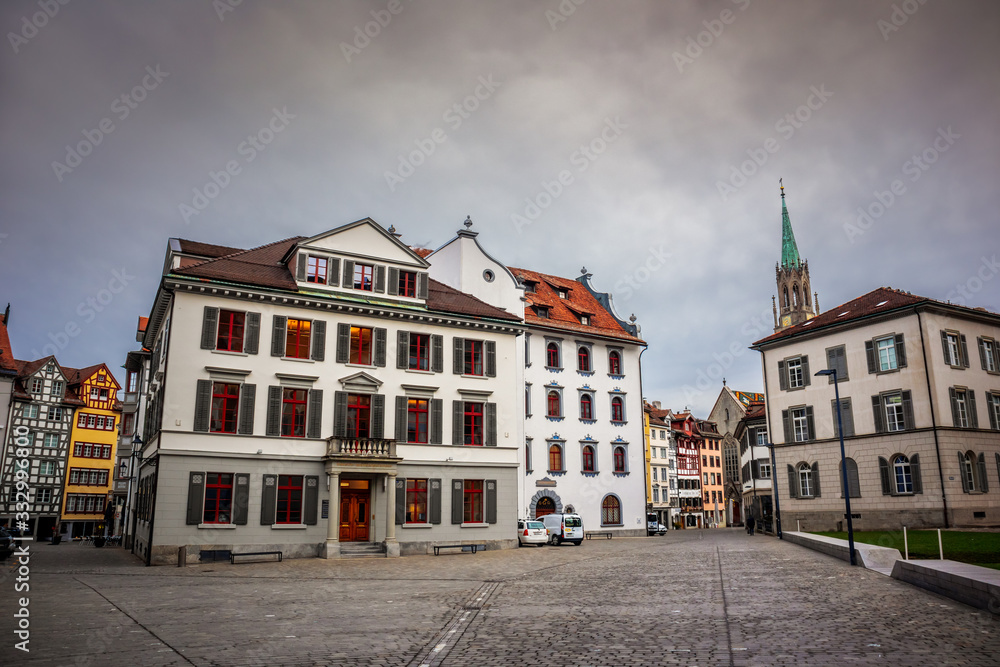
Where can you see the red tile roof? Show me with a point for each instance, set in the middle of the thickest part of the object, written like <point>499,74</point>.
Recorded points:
<point>28,368</point>
<point>446,299</point>
<point>8,364</point>
<point>205,249</point>
<point>423,252</point>
<point>755,411</point>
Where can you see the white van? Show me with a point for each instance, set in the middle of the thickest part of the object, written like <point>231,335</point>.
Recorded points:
<point>564,528</point>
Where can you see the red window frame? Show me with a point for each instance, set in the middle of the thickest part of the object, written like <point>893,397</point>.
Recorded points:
<point>472,501</point>
<point>416,501</point>
<point>611,511</point>
<point>407,283</point>
<point>583,359</point>
<point>316,270</point>
<point>619,457</point>
<point>359,410</point>
<point>473,357</point>
<point>473,420</point>
<point>555,458</point>
<point>420,352</point>
<point>586,407</point>
<point>37,385</point>
<point>131,381</point>
<point>225,407</point>
<point>617,409</point>
<point>293,412</point>
<point>615,363</point>
<point>218,507</point>
<point>552,355</point>
<point>416,420</point>
<point>553,403</point>
<point>588,458</point>
<point>230,331</point>
<point>289,502</point>
<point>298,334</point>
<point>364,277</point>
<point>361,346</point>
<point>128,423</point>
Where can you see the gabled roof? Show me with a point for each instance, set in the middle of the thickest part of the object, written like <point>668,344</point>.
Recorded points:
<point>205,249</point>
<point>446,299</point>
<point>28,368</point>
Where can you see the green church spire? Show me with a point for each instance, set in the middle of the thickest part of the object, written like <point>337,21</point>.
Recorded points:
<point>789,251</point>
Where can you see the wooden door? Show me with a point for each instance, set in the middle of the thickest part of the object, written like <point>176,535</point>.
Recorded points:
<point>354,520</point>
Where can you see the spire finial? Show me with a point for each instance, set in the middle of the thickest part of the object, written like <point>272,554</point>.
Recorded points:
<point>782,187</point>
<point>468,222</point>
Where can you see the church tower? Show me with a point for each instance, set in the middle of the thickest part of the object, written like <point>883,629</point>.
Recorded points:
<point>795,304</point>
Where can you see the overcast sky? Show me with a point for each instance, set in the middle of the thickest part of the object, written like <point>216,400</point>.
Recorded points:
<point>648,112</point>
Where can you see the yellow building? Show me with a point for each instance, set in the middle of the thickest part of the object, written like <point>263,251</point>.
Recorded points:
<point>91,462</point>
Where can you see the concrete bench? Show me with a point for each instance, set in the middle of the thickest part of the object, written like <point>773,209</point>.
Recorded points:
<point>599,533</point>
<point>253,554</point>
<point>463,547</point>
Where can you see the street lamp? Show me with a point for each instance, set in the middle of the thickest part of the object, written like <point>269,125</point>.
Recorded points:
<point>843,462</point>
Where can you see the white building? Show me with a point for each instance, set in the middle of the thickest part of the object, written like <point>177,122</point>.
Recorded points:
<point>662,479</point>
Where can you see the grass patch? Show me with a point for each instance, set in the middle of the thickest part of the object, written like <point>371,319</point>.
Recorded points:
<point>981,549</point>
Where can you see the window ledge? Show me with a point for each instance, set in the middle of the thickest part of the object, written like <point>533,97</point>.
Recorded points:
<point>418,371</point>
<point>616,376</point>
<point>298,359</point>
<point>475,525</point>
<point>587,421</point>
<point>554,369</point>
<point>585,373</point>
<point>230,353</point>
<point>288,526</point>
<point>590,473</point>
<point>349,364</point>
<point>621,474</point>
<point>612,525</point>
<point>618,423</point>
<point>416,525</point>
<point>554,419</point>
<point>216,526</point>
<point>475,377</point>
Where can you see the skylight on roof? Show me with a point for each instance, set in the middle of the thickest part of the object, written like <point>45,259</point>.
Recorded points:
<point>881,303</point>
<point>805,324</point>
<point>843,313</point>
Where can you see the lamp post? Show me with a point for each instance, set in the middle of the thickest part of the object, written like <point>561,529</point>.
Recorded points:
<point>774,491</point>
<point>843,462</point>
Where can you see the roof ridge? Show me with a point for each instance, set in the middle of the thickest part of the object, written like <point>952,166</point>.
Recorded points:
<point>234,255</point>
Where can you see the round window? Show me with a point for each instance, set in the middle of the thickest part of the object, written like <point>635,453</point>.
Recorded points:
<point>488,276</point>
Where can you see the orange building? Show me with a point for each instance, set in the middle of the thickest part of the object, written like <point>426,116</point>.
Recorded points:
<point>91,462</point>
<point>711,474</point>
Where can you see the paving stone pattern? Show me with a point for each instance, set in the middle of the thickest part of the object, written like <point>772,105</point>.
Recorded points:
<point>715,597</point>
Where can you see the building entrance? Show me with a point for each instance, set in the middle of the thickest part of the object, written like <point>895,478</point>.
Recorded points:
<point>355,498</point>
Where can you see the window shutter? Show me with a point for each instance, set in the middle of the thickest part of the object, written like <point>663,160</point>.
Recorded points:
<point>457,501</point>
<point>853,481</point>
<point>437,421</point>
<point>318,340</point>
<point>348,274</point>
<point>209,328</point>
<point>973,413</point>
<point>422,285</point>
<point>340,414</point>
<point>333,272</point>
<point>490,424</point>
<point>877,414</point>
<point>380,279</point>
<point>437,353</point>
<point>314,425</point>
<point>918,485</point>
<point>310,500</point>
<point>832,362</point>
<point>870,355</point>
<point>908,411</point>
<point>755,468</point>
<point>457,423</point>
<point>786,421</point>
<point>402,349</point>
<point>982,351</point>
<point>965,351</point>
<point>401,417</point>
<point>793,483</point>
<point>393,286</point>
<point>343,343</point>
<point>273,427</point>
<point>815,479</point>
<point>251,338</point>
<point>883,471</point>
<point>961,472</point>
<point>847,416</point>
<point>300,267</point>
<point>378,416</point>
<point>196,497</point>
<point>836,429</point>
<point>268,499</point>
<point>984,484</point>
<point>944,347</point>
<point>434,500</point>
<point>247,399</point>
<point>991,401</point>
<point>202,406</point>
<point>810,423</point>
<point>491,501</point>
<point>954,406</point>
<point>241,498</point>
<point>806,375</point>
<point>458,356</point>
<point>278,336</point>
<point>900,351</point>
<point>380,345</point>
<point>782,376</point>
<point>491,358</point>
<point>400,500</point>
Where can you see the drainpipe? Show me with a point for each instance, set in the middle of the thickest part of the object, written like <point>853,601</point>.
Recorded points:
<point>937,444</point>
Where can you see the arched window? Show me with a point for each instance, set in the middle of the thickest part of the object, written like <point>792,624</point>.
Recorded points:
<point>615,363</point>
<point>853,482</point>
<point>555,458</point>
<point>617,409</point>
<point>586,407</point>
<point>611,511</point>
<point>619,456</point>
<point>554,408</point>
<point>785,288</point>
<point>544,506</point>
<point>583,359</point>
<point>588,459</point>
<point>805,481</point>
<point>795,296</point>
<point>903,475</point>
<point>552,355</point>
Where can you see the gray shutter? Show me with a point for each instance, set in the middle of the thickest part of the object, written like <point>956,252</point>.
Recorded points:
<point>400,500</point>
<point>786,421</point>
<point>343,343</point>
<point>380,336</point>
<point>209,328</point>
<point>490,424</point>
<point>457,423</point>
<point>886,476</point>
<point>908,422</point>
<point>973,413</point>
<point>984,484</point>
<point>251,336</point>
<point>273,427</point>
<point>810,423</point>
<point>491,501</point>
<point>314,418</point>
<point>300,267</point>
<point>202,406</point>
<point>870,355</point>
<point>380,279</point>
<point>847,415</point>
<point>806,375</point>
<point>434,500</point>
<point>457,501</point>
<point>491,358</point>
<point>241,498</point>
<point>422,285</point>
<point>333,272</point>
<point>437,421</point>
<point>268,499</point>
<point>348,274</point>
<point>961,472</point>
<point>310,500</point>
<point>401,417</point>
<point>965,350</point>
<point>918,484</point>
<point>782,376</point>
<point>402,349</point>
<point>378,416</point>
<point>196,497</point>
<point>247,399</point>
<point>278,336</point>
<point>793,483</point>
<point>815,479</point>
<point>991,400</point>
<point>900,351</point>
<point>853,481</point>
<point>318,340</point>
<point>831,361</point>
<point>458,356</point>
<point>877,414</point>
<point>755,468</point>
<point>954,406</point>
<point>393,286</point>
<point>836,429</point>
<point>437,353</point>
<point>944,347</point>
<point>340,414</point>
<point>982,351</point>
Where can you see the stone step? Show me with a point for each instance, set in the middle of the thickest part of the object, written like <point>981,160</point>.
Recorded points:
<point>361,550</point>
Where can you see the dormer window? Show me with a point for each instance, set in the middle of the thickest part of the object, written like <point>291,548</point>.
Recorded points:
<point>542,311</point>
<point>585,320</point>
<point>36,385</point>
<point>316,270</point>
<point>408,283</point>
<point>529,287</point>
<point>562,294</point>
<point>364,277</point>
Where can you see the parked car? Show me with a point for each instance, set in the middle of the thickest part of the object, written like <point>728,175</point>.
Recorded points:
<point>658,529</point>
<point>8,542</point>
<point>564,528</point>
<point>531,532</point>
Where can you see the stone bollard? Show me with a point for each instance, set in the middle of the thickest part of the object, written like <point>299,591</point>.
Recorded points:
<point>182,556</point>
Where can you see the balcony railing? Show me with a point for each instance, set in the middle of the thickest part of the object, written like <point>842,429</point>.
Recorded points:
<point>369,448</point>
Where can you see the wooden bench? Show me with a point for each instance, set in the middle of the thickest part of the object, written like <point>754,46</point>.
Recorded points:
<point>464,547</point>
<point>233,557</point>
<point>599,533</point>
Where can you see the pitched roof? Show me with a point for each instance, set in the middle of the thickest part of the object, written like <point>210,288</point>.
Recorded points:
<point>423,252</point>
<point>8,364</point>
<point>564,313</point>
<point>755,411</point>
<point>446,299</point>
<point>28,368</point>
<point>205,249</point>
